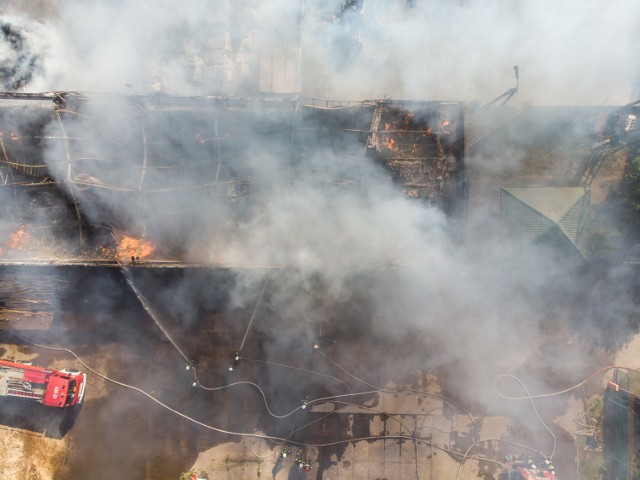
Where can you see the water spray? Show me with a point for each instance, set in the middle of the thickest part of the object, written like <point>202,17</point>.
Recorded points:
<point>255,309</point>
<point>147,306</point>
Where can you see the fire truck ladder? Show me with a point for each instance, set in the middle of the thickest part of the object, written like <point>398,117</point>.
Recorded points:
<point>12,392</point>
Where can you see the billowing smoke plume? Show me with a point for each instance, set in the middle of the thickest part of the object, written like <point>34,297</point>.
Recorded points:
<point>239,183</point>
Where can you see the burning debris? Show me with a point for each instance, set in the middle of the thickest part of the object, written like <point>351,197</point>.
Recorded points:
<point>422,146</point>
<point>18,238</point>
<point>133,250</point>
<point>17,241</point>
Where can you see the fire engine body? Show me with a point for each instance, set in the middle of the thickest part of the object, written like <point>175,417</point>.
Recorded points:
<point>49,387</point>
<point>534,474</point>
<point>528,468</point>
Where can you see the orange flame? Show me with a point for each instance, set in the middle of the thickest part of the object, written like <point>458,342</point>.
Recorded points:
<point>134,247</point>
<point>391,143</point>
<point>18,239</point>
<point>387,126</point>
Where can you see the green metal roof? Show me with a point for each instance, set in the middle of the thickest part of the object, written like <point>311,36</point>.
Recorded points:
<point>552,221</point>
<point>551,202</point>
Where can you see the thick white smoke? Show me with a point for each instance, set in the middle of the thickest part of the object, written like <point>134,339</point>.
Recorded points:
<point>462,50</point>
<point>568,52</point>
<point>572,52</point>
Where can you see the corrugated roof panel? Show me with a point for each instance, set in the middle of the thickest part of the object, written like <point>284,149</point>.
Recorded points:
<point>575,223</point>
<point>520,225</point>
<point>547,221</point>
<point>552,202</point>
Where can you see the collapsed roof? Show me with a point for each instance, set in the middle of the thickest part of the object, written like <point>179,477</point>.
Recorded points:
<point>105,177</point>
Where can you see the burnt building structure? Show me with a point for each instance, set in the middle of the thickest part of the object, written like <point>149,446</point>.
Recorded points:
<point>155,181</point>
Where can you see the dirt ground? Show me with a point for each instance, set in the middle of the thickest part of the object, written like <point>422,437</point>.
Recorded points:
<point>121,433</point>
<point>118,433</point>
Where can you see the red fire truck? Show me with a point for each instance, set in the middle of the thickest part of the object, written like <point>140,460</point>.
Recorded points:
<point>527,467</point>
<point>534,474</point>
<point>49,387</point>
